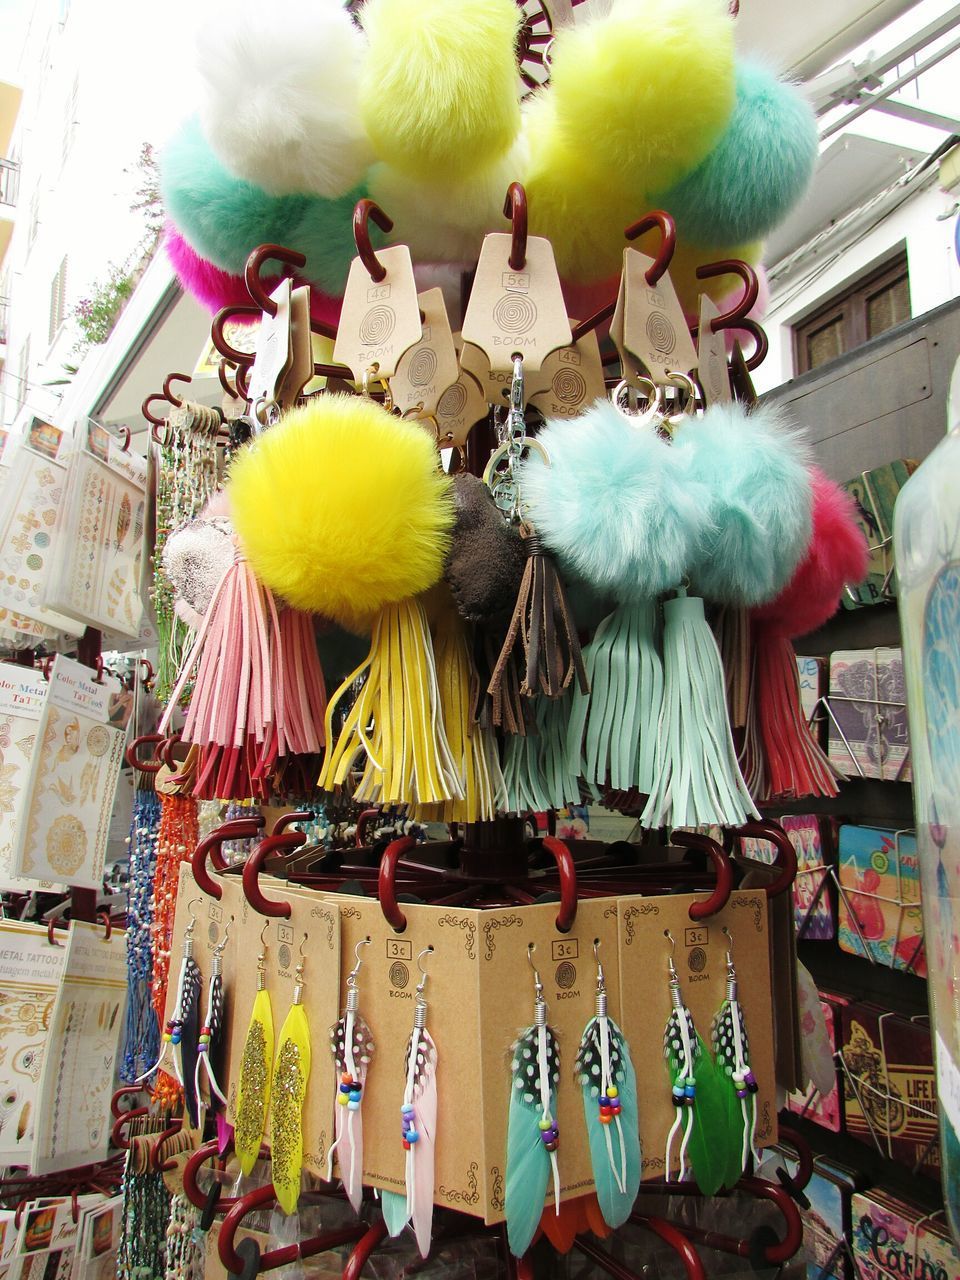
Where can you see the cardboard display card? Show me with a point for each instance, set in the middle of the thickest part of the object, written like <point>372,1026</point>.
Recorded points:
<point>22,696</point>
<point>700,959</point>
<point>30,970</point>
<point>76,1084</point>
<point>65,827</point>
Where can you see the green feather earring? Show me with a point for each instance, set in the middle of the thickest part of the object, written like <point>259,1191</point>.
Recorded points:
<point>699,1096</point>
<point>532,1133</point>
<point>732,1050</point>
<point>609,1085</point>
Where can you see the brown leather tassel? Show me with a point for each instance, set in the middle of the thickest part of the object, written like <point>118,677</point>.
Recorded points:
<point>542,620</point>
<point>502,705</point>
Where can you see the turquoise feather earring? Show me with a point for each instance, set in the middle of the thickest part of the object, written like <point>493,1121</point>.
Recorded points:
<point>609,1085</point>
<point>732,1050</point>
<point>532,1132</point>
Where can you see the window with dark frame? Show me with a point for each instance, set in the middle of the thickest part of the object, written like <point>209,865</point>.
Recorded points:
<point>849,319</point>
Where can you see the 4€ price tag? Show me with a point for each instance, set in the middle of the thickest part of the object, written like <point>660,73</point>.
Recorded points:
<point>380,319</point>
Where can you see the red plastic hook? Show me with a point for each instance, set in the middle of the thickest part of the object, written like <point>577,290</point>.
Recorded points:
<point>251,272</point>
<point>145,410</point>
<point>124,433</point>
<point>786,858</point>
<point>721,894</point>
<point>291,819</point>
<point>568,882</point>
<point>515,208</point>
<point>286,842</point>
<point>273,1258</point>
<point>133,759</point>
<point>800,1180</point>
<point>745,303</point>
<point>174,377</point>
<point>361,1254</point>
<point>386,882</point>
<point>239,358</point>
<point>118,1135</point>
<point>365,211</point>
<point>224,380</point>
<point>211,846</point>
<point>156,1148</point>
<point>657,219</point>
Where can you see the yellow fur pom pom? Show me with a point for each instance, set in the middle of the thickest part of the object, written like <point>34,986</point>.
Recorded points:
<point>439,89</point>
<point>341,508</point>
<point>581,208</point>
<point>647,88</point>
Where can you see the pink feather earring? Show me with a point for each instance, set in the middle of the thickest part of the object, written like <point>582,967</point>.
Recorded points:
<point>418,1129</point>
<point>352,1046</point>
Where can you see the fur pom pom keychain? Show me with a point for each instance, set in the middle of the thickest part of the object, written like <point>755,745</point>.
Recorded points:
<point>360,554</point>
<point>786,759</point>
<point>617,508</point>
<point>753,470</point>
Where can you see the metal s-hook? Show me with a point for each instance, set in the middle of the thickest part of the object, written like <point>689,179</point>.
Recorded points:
<point>352,975</point>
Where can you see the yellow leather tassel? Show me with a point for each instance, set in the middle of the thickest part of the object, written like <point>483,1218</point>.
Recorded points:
<point>253,1091</point>
<point>396,721</point>
<point>290,1076</point>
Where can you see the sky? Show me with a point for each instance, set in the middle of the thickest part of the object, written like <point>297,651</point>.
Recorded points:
<point>14,17</point>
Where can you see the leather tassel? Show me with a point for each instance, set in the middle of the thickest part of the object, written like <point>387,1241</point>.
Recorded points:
<point>395,725</point>
<point>697,778</point>
<point>613,728</point>
<point>545,626</point>
<point>524,786</point>
<point>291,1074</point>
<point>796,766</point>
<point>256,1079</point>
<point>561,778</point>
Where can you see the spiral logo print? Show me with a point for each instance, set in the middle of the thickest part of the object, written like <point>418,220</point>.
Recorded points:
<point>569,387</point>
<point>283,956</point>
<point>566,975</point>
<point>661,333</point>
<point>453,401</point>
<point>399,975</point>
<point>377,326</point>
<point>514,313</point>
<point>423,367</point>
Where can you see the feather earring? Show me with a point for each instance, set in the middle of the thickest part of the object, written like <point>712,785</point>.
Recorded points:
<point>418,1130</point>
<point>698,1096</point>
<point>211,1032</point>
<point>609,1085</point>
<point>291,1073</point>
<point>180,1034</point>
<point>352,1046</point>
<point>732,1050</point>
<point>256,1071</point>
<point>532,1132</point>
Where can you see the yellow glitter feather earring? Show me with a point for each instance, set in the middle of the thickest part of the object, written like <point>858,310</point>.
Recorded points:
<point>291,1073</point>
<point>256,1071</point>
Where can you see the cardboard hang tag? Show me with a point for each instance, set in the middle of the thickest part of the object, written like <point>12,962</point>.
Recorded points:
<point>274,350</point>
<point>712,355</point>
<point>301,347</point>
<point>512,311</point>
<point>654,327</point>
<point>460,408</point>
<point>380,320</point>
<point>429,368</point>
<point>631,368</point>
<point>570,379</point>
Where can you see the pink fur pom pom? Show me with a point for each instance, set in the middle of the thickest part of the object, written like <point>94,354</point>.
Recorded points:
<point>214,288</point>
<point>837,555</point>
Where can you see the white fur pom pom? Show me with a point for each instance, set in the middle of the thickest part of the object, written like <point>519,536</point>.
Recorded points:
<point>279,87</point>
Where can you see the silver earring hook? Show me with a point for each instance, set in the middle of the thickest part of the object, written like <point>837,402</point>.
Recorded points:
<point>427,951</point>
<point>538,985</point>
<point>673,950</point>
<point>219,948</point>
<point>303,944</point>
<point>601,983</point>
<point>352,975</point>
<point>193,915</point>
<point>262,932</point>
